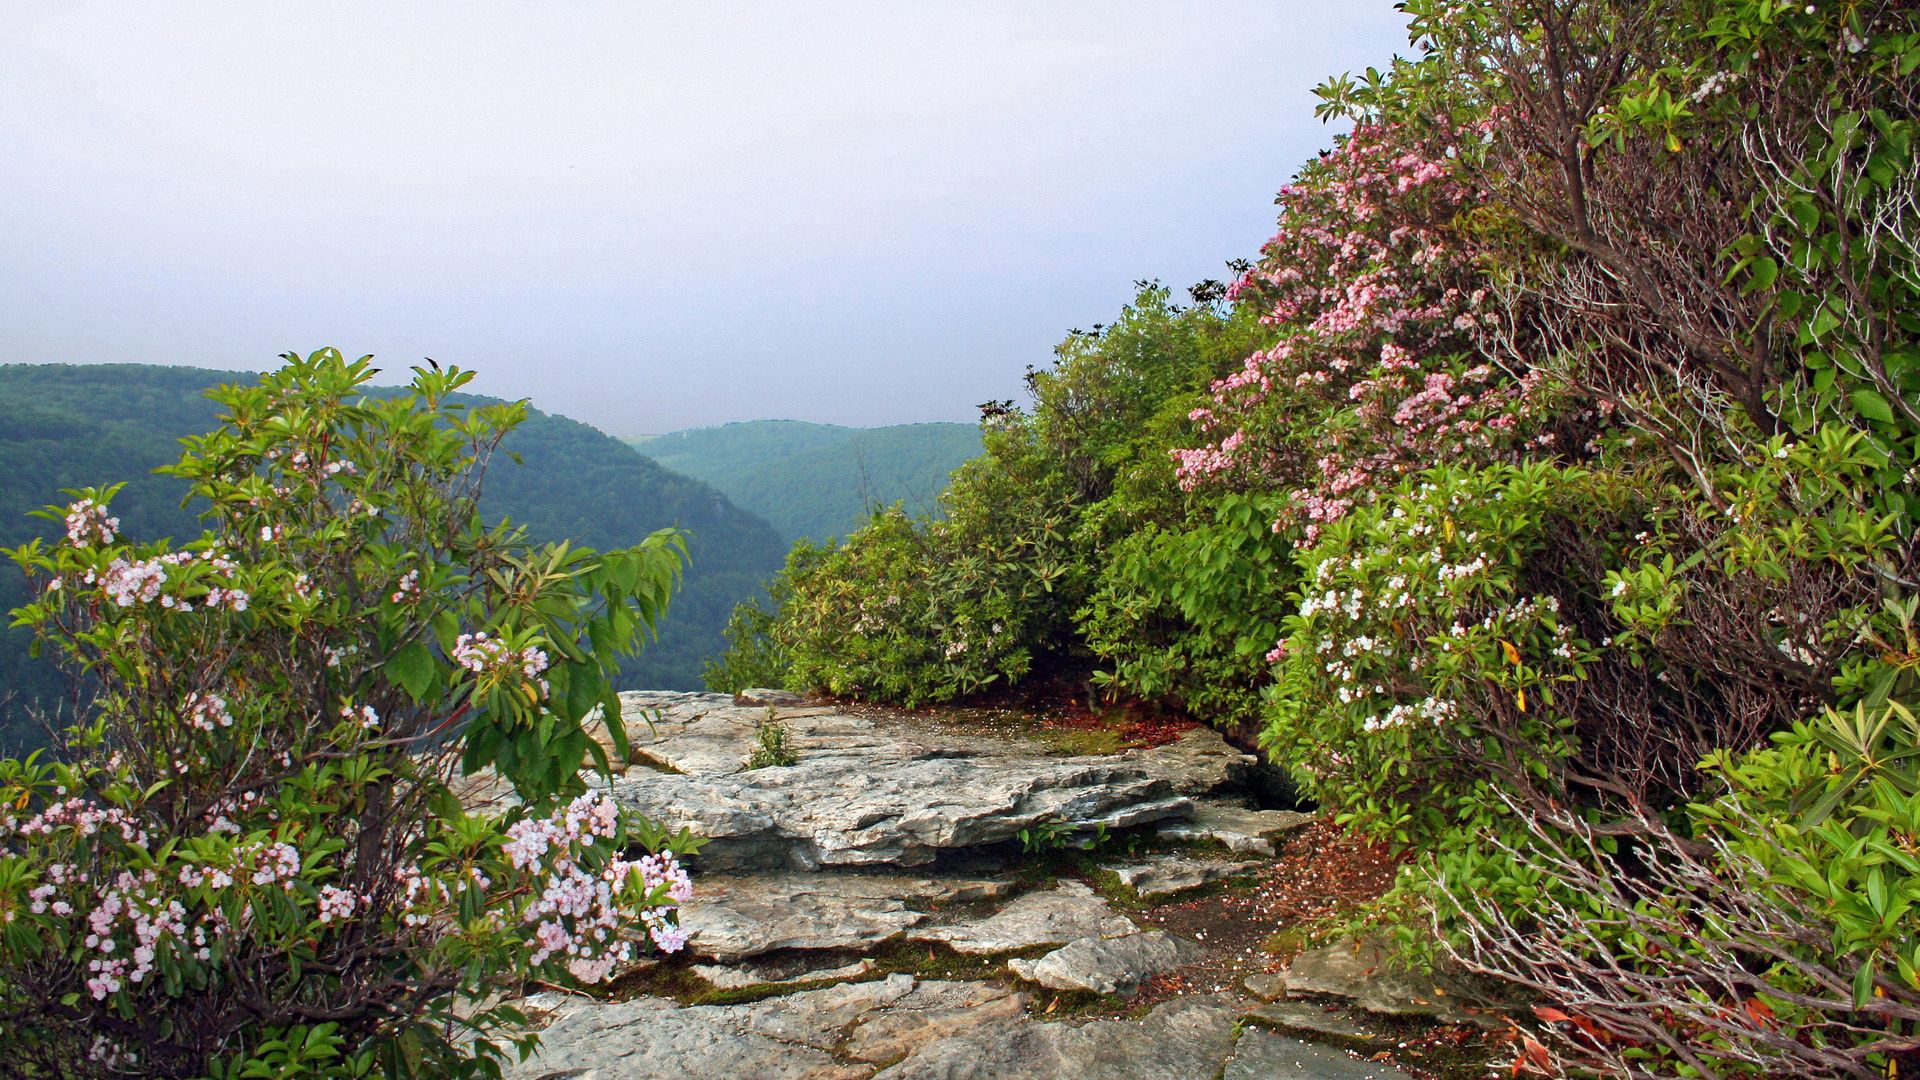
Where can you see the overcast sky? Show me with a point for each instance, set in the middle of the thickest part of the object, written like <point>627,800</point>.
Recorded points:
<point>646,216</point>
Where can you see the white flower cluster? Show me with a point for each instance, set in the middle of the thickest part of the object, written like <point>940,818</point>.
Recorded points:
<point>88,524</point>
<point>481,654</point>
<point>208,711</point>
<point>1433,710</point>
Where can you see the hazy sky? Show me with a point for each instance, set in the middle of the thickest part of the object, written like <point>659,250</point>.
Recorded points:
<point>647,216</point>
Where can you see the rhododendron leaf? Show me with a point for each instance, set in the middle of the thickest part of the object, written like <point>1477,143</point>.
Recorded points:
<point>1872,406</point>
<point>413,668</point>
<point>599,754</point>
<point>582,689</point>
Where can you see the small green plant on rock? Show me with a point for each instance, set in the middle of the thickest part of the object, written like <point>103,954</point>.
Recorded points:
<point>772,744</point>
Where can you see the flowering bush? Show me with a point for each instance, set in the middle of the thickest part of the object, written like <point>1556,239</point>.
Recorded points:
<point>253,856</point>
<point>1375,286</point>
<point>1425,623</point>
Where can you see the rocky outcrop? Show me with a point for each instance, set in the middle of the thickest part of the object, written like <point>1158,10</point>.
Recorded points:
<point>735,917</point>
<point>1166,875</point>
<point>1068,912</point>
<point>870,793</point>
<point>1108,965</point>
<point>885,832</point>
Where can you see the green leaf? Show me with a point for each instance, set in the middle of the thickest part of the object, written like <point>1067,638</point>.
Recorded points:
<point>583,689</point>
<point>1872,406</point>
<point>1863,985</point>
<point>616,723</point>
<point>413,669</point>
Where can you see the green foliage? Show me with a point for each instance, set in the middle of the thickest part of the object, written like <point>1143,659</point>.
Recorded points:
<point>772,744</point>
<point>924,608</point>
<point>74,426</point>
<point>1837,802</point>
<point>253,858</point>
<point>818,481</point>
<point>1188,615</point>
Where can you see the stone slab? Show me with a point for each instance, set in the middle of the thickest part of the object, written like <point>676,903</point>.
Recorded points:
<point>1245,831</point>
<point>731,918</point>
<point>1263,1055</point>
<point>1168,875</point>
<point>1108,965</point>
<point>1063,914</point>
<point>864,793</point>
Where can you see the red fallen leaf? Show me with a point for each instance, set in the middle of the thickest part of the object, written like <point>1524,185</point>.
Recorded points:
<point>1532,1053</point>
<point>1760,1011</point>
<point>1551,1015</point>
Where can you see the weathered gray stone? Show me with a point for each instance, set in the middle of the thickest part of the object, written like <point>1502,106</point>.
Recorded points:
<point>762,696</point>
<point>1263,1055</point>
<point>933,1011</point>
<point>866,793</point>
<point>1323,1024</point>
<point>1166,875</point>
<point>838,1033</point>
<point>650,1038</point>
<point>1183,1039</point>
<point>1065,913</point>
<point>1267,986</point>
<point>743,975</point>
<point>1359,972</point>
<point>1108,965</point>
<point>734,917</point>
<point>1244,831</point>
<point>821,1018</point>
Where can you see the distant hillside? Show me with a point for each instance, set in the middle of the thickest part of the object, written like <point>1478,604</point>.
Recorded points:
<point>65,426</point>
<point>818,480</point>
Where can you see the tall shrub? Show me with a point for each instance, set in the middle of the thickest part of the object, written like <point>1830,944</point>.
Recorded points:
<point>255,855</point>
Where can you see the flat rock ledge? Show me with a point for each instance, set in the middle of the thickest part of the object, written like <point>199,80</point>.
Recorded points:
<point>901,1028</point>
<point>1359,972</point>
<point>1108,965</point>
<point>875,793</point>
<point>1169,875</point>
<point>1245,832</point>
<point>1068,912</point>
<point>732,918</point>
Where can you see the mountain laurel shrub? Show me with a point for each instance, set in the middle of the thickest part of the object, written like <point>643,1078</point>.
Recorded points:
<point>1188,615</point>
<point>255,854</point>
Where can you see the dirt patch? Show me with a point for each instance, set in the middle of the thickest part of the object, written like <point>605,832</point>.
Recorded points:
<point>1320,874</point>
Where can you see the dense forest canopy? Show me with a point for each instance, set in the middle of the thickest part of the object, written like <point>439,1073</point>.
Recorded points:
<point>818,481</point>
<point>69,426</point>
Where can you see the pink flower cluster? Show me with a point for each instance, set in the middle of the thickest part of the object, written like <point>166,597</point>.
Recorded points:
<point>485,655</point>
<point>88,524</point>
<point>336,903</point>
<point>84,819</point>
<point>131,909</point>
<point>1380,302</point>
<point>132,583</point>
<point>579,912</point>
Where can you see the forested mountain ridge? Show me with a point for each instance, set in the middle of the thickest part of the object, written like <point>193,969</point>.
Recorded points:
<point>65,426</point>
<point>818,481</point>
